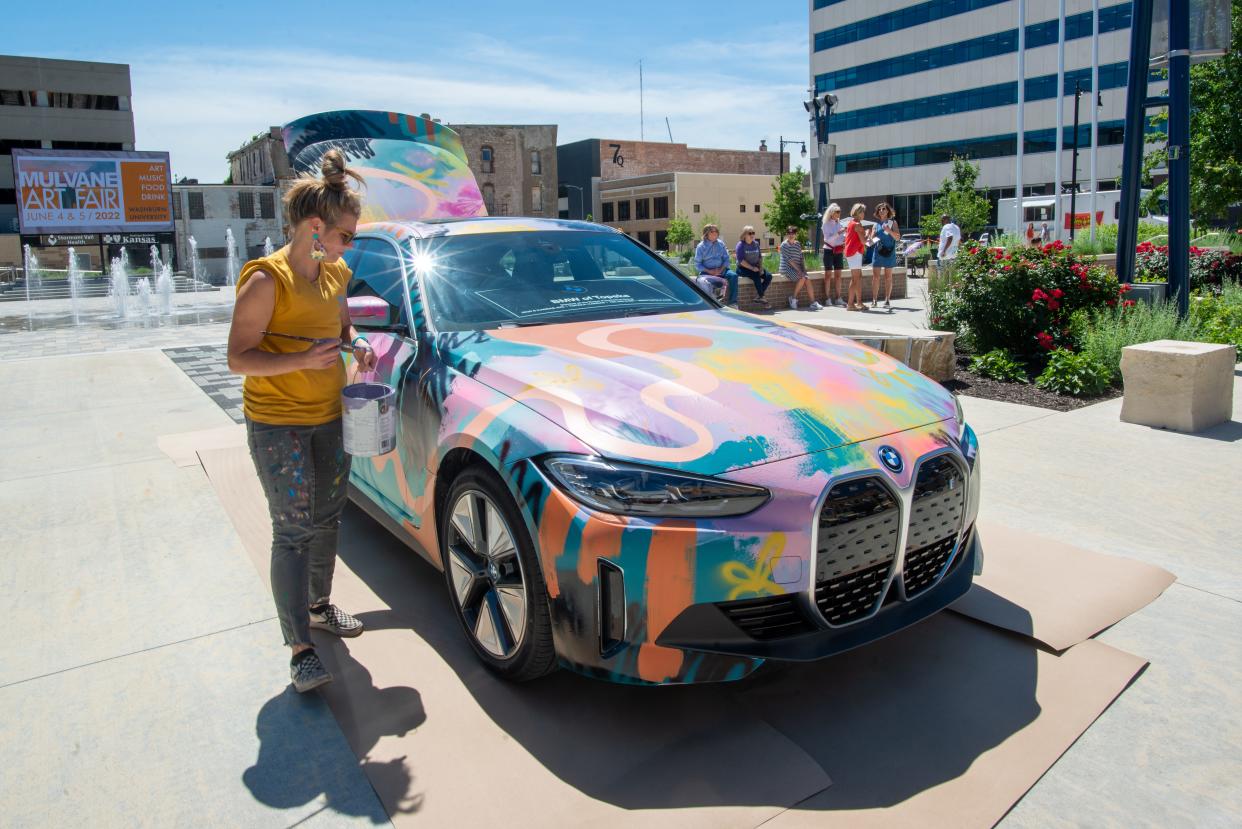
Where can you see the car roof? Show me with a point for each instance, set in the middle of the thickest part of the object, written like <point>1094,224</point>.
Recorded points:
<point>478,225</point>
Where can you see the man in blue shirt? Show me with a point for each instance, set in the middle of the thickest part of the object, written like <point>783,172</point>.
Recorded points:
<point>711,258</point>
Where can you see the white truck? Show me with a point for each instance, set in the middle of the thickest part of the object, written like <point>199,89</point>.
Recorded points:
<point>1040,210</point>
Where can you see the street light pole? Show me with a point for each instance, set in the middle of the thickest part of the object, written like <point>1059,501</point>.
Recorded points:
<point>581,214</point>
<point>790,142</point>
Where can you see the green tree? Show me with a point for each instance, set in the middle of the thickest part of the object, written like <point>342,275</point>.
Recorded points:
<point>680,232</point>
<point>790,200</point>
<point>1215,140</point>
<point>959,199</point>
<point>707,219</point>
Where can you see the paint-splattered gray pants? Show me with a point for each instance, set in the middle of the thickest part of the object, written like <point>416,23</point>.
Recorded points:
<point>305,474</point>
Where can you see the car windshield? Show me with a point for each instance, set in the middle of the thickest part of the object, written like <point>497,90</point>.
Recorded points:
<point>481,281</point>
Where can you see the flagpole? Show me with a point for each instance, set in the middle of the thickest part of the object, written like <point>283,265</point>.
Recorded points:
<point>1060,145</point>
<point>1095,104</point>
<point>1019,190</point>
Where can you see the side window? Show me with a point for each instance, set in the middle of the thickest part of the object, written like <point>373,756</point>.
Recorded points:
<point>377,272</point>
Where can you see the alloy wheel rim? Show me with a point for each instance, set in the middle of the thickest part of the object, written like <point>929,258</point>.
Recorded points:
<point>487,574</point>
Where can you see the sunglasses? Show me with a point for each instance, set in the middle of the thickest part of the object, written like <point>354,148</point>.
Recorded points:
<point>347,236</point>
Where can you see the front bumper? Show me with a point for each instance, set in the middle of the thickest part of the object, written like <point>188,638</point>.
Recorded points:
<point>634,600</point>
<point>708,627</point>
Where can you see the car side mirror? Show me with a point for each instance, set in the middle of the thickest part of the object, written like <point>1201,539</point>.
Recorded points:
<point>372,313</point>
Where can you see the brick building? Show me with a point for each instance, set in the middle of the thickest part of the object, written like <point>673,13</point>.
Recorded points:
<point>641,206</point>
<point>584,165</point>
<point>515,165</point>
<point>261,160</point>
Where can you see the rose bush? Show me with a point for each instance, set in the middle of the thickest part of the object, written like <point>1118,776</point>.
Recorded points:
<point>1209,267</point>
<point>1021,301</point>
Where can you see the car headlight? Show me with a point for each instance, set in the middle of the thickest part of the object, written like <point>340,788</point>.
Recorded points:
<point>629,489</point>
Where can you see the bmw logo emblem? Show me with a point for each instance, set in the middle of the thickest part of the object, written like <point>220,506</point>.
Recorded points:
<point>891,458</point>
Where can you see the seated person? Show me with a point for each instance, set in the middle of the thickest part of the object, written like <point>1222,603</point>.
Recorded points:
<point>711,259</point>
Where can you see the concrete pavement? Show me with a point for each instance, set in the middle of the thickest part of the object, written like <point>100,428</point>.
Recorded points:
<point>142,680</point>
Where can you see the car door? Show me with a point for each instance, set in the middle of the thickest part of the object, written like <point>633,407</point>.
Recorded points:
<point>379,270</point>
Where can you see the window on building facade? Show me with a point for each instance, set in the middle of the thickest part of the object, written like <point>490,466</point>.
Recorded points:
<point>245,205</point>
<point>75,100</point>
<point>536,199</point>
<point>87,145</point>
<point>536,164</point>
<point>1112,18</point>
<point>661,207</point>
<point>196,205</point>
<point>609,212</point>
<point>741,208</point>
<point>16,98</point>
<point>756,208</point>
<point>267,206</point>
<point>7,144</point>
<point>644,236</point>
<point>485,159</point>
<point>489,199</point>
<point>623,211</point>
<point>696,208</point>
<point>176,201</point>
<point>642,209</point>
<point>894,21</point>
<point>661,240</point>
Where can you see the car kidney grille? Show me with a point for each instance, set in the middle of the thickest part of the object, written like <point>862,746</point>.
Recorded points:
<point>857,543</point>
<point>772,617</point>
<point>936,518</point>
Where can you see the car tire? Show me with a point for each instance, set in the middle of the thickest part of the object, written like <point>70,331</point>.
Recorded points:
<point>494,579</point>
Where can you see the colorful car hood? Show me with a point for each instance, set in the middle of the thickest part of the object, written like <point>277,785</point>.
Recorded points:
<point>705,392</point>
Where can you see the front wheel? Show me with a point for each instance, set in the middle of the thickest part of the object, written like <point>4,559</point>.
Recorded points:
<point>494,579</point>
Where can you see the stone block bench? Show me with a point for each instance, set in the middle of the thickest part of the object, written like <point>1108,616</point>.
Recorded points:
<point>781,288</point>
<point>930,352</point>
<point>1183,386</point>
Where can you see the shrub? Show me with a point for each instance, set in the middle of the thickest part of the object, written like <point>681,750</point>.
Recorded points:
<point>1080,375</point>
<point>1218,319</point>
<point>1021,301</point>
<point>1209,267</point>
<point>999,364</point>
<point>1102,334</point>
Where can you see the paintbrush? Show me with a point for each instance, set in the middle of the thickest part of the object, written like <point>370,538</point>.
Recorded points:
<point>348,349</point>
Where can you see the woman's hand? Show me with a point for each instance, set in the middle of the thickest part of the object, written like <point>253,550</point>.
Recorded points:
<point>365,356</point>
<point>321,355</point>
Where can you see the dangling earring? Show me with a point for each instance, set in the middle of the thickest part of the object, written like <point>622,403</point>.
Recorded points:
<point>317,251</point>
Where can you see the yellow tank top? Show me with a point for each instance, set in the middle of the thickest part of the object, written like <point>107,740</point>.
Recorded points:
<point>311,396</point>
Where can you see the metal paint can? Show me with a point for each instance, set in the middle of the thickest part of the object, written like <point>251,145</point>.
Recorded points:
<point>369,419</point>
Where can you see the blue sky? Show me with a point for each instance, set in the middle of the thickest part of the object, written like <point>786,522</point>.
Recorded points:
<point>208,75</point>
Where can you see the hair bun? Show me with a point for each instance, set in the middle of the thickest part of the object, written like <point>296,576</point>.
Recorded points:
<point>333,169</point>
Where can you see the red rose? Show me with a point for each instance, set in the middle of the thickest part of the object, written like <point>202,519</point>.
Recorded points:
<point>1045,340</point>
<point>1124,288</point>
<point>1053,305</point>
<point>1058,293</point>
<point>1128,303</point>
<point>1038,295</point>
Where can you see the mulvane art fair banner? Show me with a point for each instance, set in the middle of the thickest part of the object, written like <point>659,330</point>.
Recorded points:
<point>92,191</point>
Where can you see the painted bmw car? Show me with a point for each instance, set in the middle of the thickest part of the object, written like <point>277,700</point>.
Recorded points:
<point>618,476</point>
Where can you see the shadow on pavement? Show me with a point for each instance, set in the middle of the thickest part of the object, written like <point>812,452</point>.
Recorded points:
<point>297,760</point>
<point>885,722</point>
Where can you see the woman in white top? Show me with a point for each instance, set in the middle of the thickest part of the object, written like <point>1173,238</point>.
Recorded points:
<point>834,254</point>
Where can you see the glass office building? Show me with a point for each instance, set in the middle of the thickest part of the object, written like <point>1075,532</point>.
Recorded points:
<point>918,82</point>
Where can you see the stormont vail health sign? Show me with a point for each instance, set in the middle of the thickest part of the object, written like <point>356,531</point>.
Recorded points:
<point>92,191</point>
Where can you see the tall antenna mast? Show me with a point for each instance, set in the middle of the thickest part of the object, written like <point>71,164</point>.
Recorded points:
<point>670,129</point>
<point>641,120</point>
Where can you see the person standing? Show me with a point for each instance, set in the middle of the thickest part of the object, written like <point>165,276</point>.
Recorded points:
<point>1045,233</point>
<point>711,258</point>
<point>793,268</point>
<point>750,263</point>
<point>1030,233</point>
<point>834,254</point>
<point>950,238</point>
<point>292,402</point>
<point>855,243</point>
<point>888,236</point>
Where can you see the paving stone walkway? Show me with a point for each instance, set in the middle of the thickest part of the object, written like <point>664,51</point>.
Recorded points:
<point>207,366</point>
